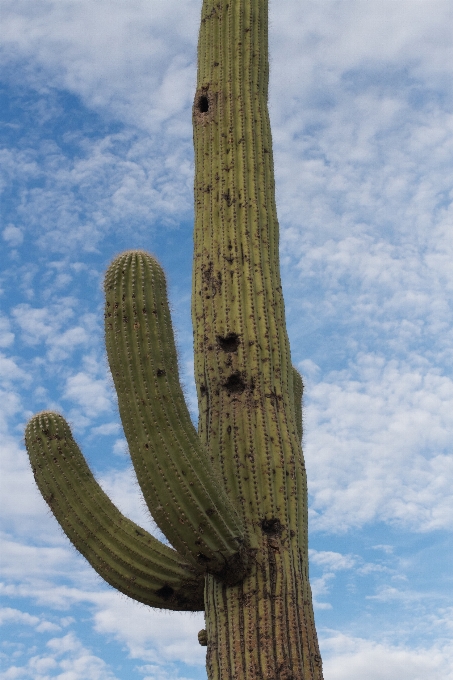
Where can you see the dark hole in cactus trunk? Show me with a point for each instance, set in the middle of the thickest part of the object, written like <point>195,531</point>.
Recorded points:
<point>160,372</point>
<point>271,527</point>
<point>203,104</point>
<point>234,384</point>
<point>229,343</point>
<point>201,557</point>
<point>165,592</point>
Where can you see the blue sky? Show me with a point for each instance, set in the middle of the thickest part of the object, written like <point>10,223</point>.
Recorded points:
<point>97,158</point>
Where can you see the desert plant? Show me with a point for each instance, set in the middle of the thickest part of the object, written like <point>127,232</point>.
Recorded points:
<point>232,498</point>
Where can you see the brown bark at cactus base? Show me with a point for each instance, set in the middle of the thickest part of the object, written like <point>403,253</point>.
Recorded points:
<point>263,629</point>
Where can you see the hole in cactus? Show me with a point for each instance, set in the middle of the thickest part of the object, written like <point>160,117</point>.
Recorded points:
<point>160,372</point>
<point>201,557</point>
<point>165,592</point>
<point>271,527</point>
<point>229,343</point>
<point>203,104</point>
<point>234,384</point>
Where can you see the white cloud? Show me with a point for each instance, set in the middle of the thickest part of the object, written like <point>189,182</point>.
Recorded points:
<point>47,325</point>
<point>9,615</point>
<point>27,562</point>
<point>6,336</point>
<point>158,673</point>
<point>331,560</point>
<point>112,55</point>
<point>66,659</point>
<point>387,549</point>
<point>348,658</point>
<point>153,635</point>
<point>107,429</point>
<point>390,594</point>
<point>90,394</point>
<point>10,371</point>
<point>120,447</point>
<point>320,587</point>
<point>12,235</point>
<point>123,181</point>
<point>123,490</point>
<point>377,446</point>
<point>22,508</point>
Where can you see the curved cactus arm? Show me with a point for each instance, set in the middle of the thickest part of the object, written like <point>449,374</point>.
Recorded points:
<point>177,478</point>
<point>298,391</point>
<point>125,555</point>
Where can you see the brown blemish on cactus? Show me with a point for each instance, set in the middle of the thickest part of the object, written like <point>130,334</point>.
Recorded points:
<point>234,384</point>
<point>272,526</point>
<point>165,592</point>
<point>228,198</point>
<point>212,282</point>
<point>229,343</point>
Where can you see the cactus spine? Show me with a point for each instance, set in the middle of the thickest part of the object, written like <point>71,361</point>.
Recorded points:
<point>232,498</point>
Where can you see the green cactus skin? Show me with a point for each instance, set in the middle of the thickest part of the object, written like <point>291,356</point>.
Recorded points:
<point>182,490</point>
<point>264,627</point>
<point>298,391</point>
<point>232,499</point>
<point>124,554</point>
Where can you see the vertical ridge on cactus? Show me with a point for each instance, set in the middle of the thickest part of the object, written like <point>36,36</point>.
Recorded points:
<point>232,498</point>
<point>298,391</point>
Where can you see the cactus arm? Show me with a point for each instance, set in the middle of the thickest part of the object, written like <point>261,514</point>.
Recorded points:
<point>178,481</point>
<point>123,554</point>
<point>298,391</point>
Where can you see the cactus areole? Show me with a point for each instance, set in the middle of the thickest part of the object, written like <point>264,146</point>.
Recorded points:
<point>231,498</point>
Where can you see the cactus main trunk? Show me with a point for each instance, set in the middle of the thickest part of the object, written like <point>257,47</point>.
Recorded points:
<point>264,627</point>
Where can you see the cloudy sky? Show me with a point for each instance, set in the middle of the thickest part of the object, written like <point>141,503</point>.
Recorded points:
<point>96,158</point>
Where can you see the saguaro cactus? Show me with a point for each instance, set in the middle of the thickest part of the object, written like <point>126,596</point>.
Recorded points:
<point>232,498</point>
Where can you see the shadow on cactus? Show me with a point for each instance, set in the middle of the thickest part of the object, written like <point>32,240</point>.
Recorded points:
<point>232,497</point>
